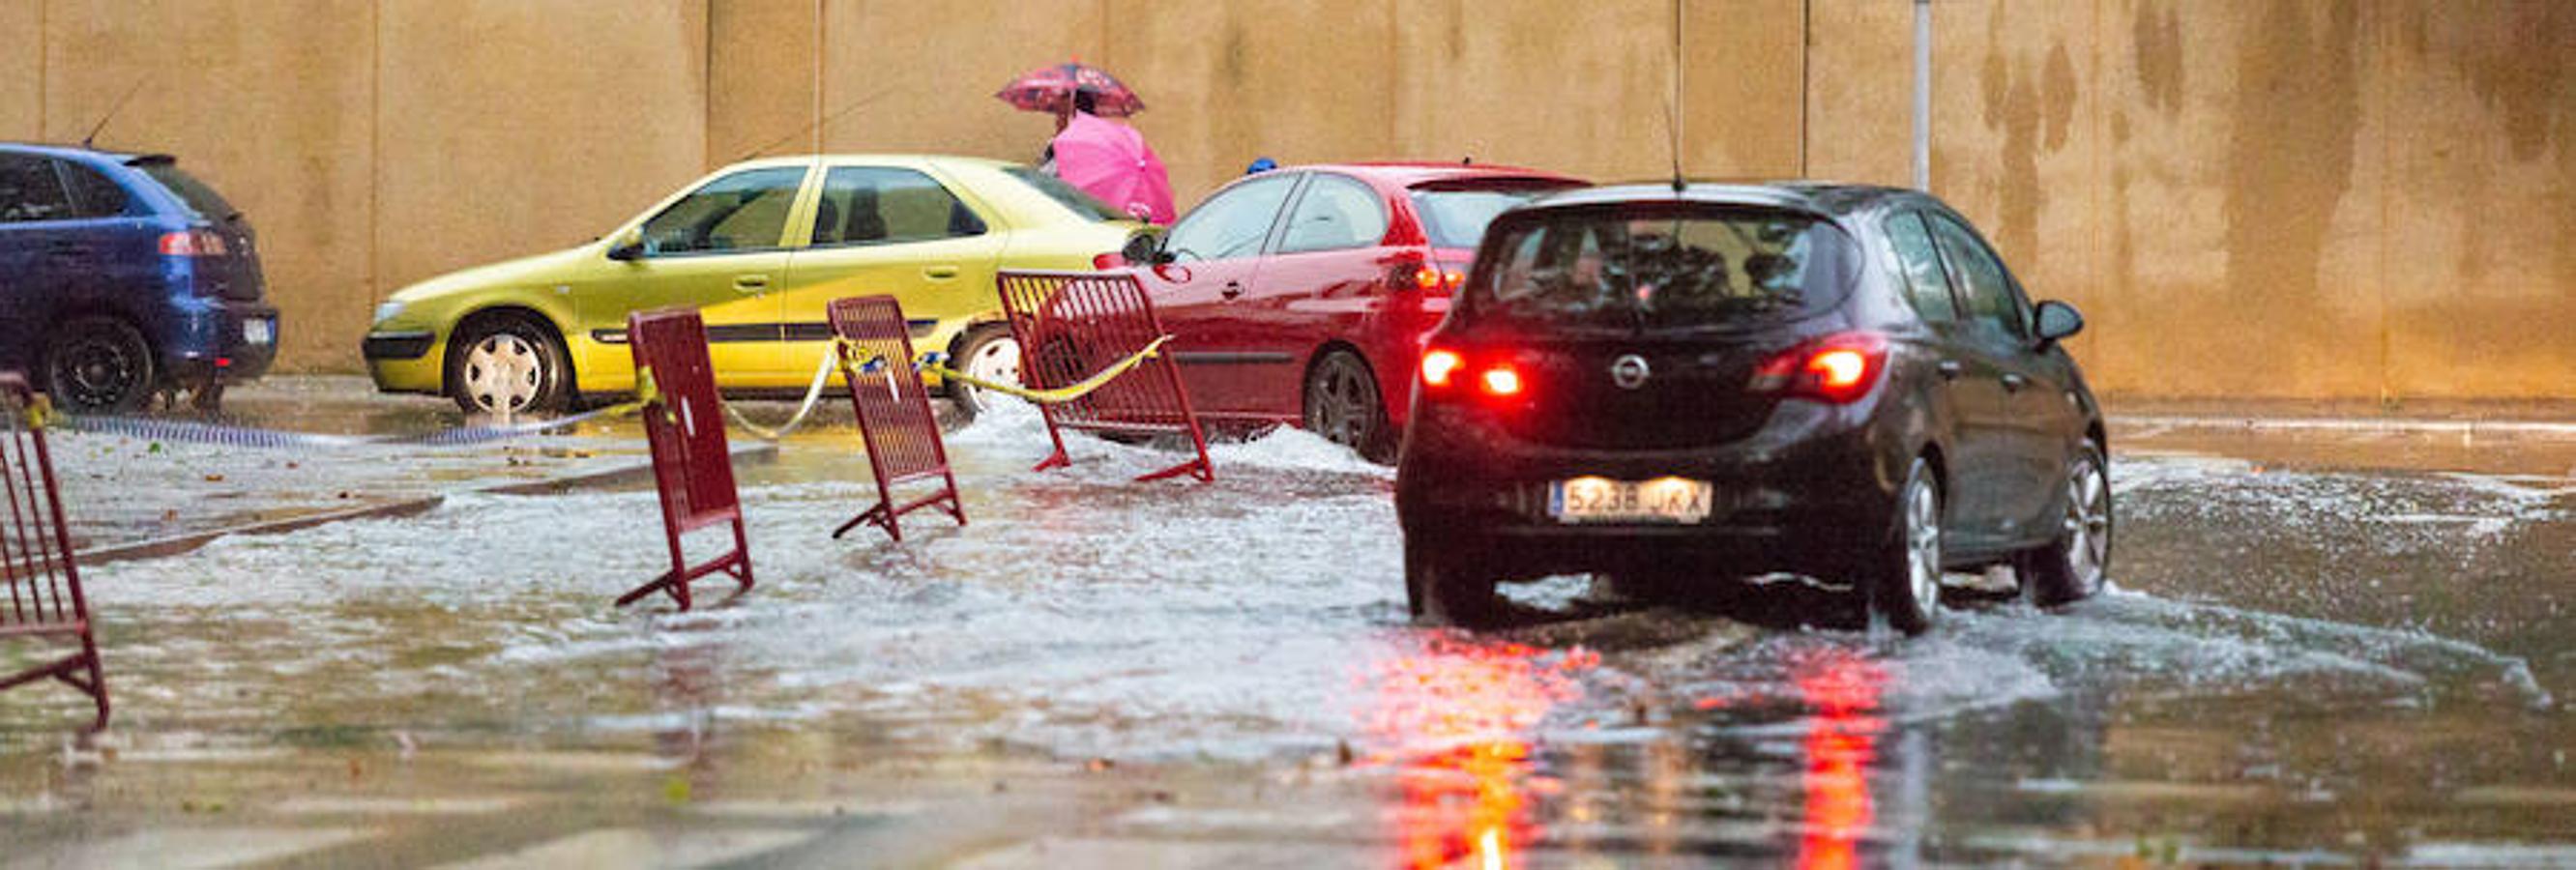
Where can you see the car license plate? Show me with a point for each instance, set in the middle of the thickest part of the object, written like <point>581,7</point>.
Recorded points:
<point>1602,500</point>
<point>260,331</point>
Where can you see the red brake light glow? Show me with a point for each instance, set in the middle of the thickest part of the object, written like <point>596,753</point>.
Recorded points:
<point>1837,368</point>
<point>192,243</point>
<point>1439,365</point>
<point>1494,379</point>
<point>1108,260</point>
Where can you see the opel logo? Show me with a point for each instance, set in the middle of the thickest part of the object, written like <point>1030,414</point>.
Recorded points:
<point>1630,372</point>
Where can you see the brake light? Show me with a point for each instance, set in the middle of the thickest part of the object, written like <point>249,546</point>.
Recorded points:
<point>192,243</point>
<point>1439,365</point>
<point>1428,277</point>
<point>1836,368</point>
<point>1108,260</point>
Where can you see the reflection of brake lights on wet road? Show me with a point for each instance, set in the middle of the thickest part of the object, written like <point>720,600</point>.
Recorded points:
<point>1454,719</point>
<point>1841,741</point>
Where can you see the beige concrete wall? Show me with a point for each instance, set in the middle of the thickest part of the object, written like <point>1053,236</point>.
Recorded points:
<point>2274,198</point>
<point>511,127</point>
<point>22,67</point>
<point>268,102</point>
<point>2349,199</point>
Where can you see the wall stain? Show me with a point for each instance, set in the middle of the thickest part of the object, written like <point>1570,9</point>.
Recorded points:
<point>2294,125</point>
<point>2526,90</point>
<point>2057,91</point>
<point>2158,43</point>
<point>2012,104</point>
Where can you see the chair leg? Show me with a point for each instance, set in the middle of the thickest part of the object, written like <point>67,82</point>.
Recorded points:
<point>98,690</point>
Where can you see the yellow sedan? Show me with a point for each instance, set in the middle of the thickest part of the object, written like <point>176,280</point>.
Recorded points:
<point>759,248</point>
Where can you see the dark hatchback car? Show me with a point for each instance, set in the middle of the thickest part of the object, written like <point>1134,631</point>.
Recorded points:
<point>121,276</point>
<point>1695,387</point>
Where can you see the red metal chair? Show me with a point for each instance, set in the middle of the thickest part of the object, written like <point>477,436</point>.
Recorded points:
<point>45,601</point>
<point>1071,325</point>
<point>692,464</point>
<point>895,420</point>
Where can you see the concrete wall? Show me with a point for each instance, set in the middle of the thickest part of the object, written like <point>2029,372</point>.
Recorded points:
<point>2357,199</point>
<point>2271,198</point>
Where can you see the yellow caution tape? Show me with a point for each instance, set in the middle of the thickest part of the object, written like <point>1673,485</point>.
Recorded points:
<point>39,412</point>
<point>1059,395</point>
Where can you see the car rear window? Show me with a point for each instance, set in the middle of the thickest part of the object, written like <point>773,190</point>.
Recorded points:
<point>1662,267</point>
<point>1457,217</point>
<point>1067,195</point>
<point>199,198</point>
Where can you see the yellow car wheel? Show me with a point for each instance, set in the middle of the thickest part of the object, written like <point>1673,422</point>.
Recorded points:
<point>987,352</point>
<point>508,364</point>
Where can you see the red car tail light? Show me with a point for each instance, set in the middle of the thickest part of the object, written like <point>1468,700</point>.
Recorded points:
<point>1108,260</point>
<point>192,243</point>
<point>1426,277</point>
<point>1837,368</point>
<point>1495,379</point>
<point>1439,365</point>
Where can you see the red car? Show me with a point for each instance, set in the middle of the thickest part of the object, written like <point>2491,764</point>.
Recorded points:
<point>1300,295</point>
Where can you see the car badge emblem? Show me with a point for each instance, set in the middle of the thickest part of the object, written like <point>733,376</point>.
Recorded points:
<point>1630,372</point>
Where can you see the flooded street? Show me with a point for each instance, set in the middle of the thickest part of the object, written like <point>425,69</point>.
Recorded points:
<point>2311,657</point>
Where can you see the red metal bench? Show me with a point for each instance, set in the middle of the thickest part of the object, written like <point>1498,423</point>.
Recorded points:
<point>44,597</point>
<point>692,464</point>
<point>895,420</point>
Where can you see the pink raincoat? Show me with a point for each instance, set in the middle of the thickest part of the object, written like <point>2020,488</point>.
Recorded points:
<point>1110,160</point>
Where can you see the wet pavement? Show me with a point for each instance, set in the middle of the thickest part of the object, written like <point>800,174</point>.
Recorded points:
<point>2324,649</point>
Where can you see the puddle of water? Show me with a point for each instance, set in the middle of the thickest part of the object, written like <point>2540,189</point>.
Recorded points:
<point>1258,621</point>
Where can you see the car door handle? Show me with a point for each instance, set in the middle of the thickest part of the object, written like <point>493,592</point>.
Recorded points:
<point>2013,383</point>
<point>1949,369</point>
<point>1233,289</point>
<point>939,273</point>
<point>751,283</point>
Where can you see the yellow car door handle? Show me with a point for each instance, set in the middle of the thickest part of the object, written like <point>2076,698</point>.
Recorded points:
<point>939,273</point>
<point>751,283</point>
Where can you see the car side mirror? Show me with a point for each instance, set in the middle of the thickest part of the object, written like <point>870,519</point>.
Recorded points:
<point>1144,248</point>
<point>629,245</point>
<point>2058,321</point>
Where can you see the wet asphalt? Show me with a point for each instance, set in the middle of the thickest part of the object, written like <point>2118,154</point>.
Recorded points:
<point>2337,649</point>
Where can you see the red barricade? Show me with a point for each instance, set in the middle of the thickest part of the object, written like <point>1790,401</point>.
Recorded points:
<point>692,465</point>
<point>895,419</point>
<point>45,601</point>
<point>1072,325</point>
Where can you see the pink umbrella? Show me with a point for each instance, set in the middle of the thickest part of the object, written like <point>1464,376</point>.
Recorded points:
<point>1110,160</point>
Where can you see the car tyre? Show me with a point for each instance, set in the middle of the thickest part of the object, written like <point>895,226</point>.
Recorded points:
<point>989,352</point>
<point>1342,404</point>
<point>508,364</point>
<point>1903,583</point>
<point>99,365</point>
<point>1445,591</point>
<point>2072,567</point>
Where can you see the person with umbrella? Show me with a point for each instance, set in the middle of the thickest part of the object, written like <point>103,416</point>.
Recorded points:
<point>1104,157</point>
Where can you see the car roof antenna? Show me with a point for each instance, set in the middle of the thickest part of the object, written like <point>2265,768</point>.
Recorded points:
<point>111,114</point>
<point>822,123</point>
<point>1673,104</point>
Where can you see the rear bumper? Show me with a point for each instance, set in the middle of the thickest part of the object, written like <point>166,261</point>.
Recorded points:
<point>1813,491</point>
<point>228,341</point>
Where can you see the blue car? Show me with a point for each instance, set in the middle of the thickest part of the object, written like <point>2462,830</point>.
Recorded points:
<point>122,277</point>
